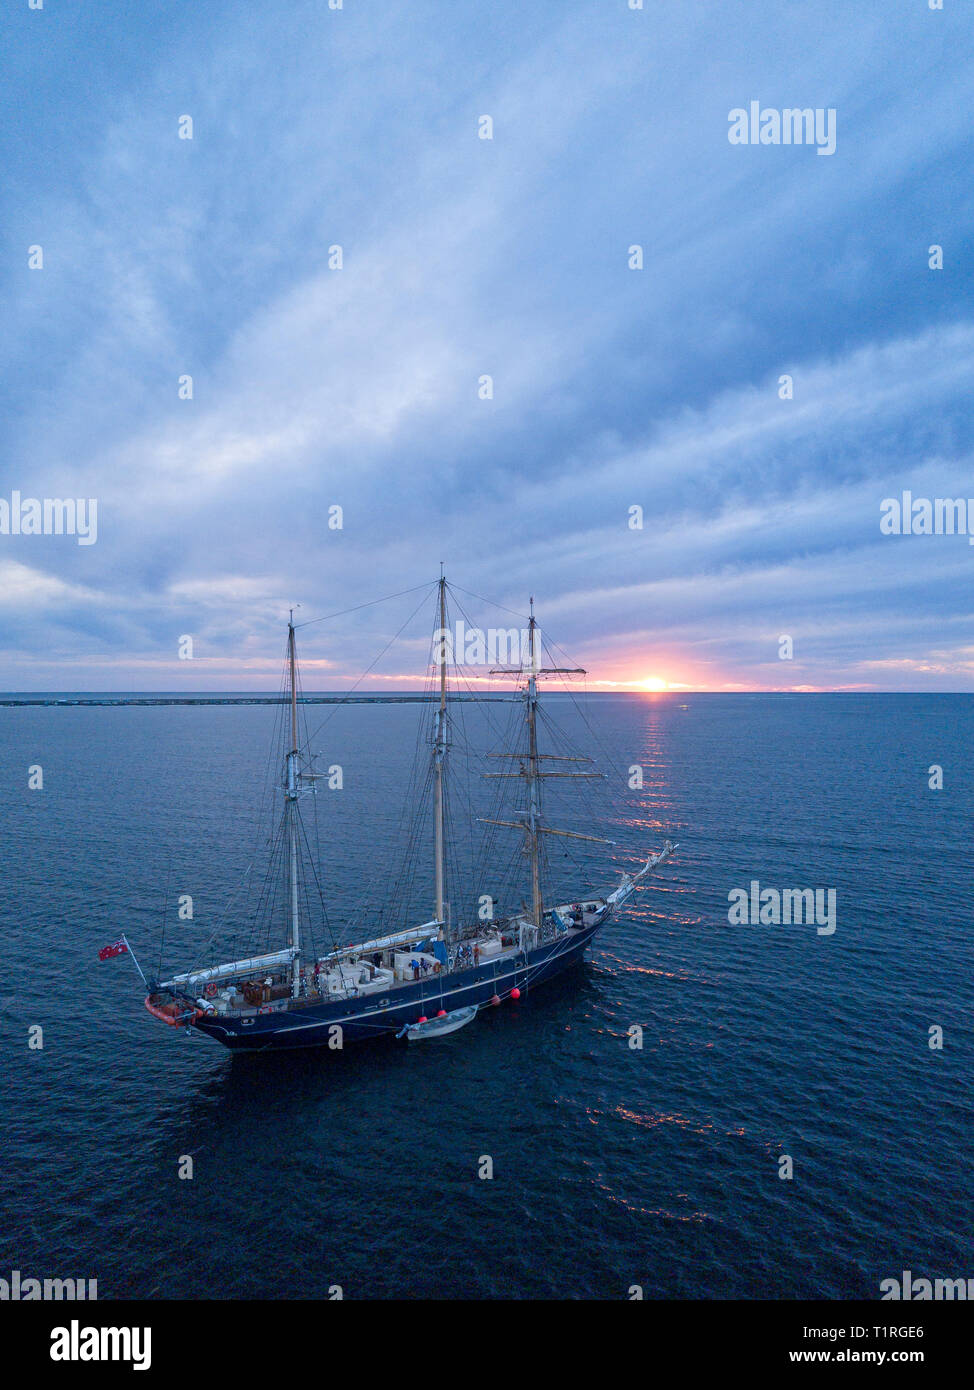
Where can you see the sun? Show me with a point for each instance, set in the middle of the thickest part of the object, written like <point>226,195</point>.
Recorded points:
<point>654,683</point>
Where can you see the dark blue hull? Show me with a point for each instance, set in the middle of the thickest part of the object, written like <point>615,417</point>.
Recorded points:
<point>367,1017</point>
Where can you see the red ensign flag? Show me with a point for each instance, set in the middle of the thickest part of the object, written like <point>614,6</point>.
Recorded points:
<point>106,952</point>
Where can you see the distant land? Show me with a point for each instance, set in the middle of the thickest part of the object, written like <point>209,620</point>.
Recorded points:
<point>233,699</point>
<point>102,698</point>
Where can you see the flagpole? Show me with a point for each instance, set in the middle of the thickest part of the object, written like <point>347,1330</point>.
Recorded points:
<point>135,961</point>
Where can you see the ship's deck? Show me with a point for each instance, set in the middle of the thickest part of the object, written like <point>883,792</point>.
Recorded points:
<point>355,973</point>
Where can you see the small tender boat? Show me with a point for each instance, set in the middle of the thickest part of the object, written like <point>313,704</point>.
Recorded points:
<point>442,1024</point>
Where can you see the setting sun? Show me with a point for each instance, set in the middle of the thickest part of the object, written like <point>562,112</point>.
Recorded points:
<point>654,683</point>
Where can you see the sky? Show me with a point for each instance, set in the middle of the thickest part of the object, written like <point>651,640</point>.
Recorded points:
<point>463,258</point>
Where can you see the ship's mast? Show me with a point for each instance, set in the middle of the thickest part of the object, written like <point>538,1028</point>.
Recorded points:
<point>291,793</point>
<point>534,799</point>
<point>439,757</point>
<point>532,772</point>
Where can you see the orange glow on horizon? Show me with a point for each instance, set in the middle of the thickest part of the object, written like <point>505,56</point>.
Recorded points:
<point>259,674</point>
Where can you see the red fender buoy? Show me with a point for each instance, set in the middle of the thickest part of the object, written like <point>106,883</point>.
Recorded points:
<point>515,993</point>
<point>424,1019</point>
<point>441,1013</point>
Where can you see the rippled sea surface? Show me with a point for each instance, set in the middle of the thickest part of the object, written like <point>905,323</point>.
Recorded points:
<point>612,1166</point>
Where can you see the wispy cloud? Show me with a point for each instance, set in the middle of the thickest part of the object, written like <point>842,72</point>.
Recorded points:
<point>462,258</point>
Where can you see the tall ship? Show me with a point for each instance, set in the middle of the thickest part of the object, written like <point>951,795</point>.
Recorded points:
<point>417,980</point>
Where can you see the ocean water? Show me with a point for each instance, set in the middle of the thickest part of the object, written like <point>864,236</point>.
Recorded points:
<point>612,1166</point>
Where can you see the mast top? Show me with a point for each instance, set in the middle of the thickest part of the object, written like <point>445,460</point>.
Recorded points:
<point>534,668</point>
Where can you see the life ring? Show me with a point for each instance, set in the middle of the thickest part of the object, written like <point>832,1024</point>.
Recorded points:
<point>266,1009</point>
<point>210,990</point>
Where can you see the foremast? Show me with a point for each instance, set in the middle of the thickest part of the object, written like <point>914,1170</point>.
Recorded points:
<point>531,771</point>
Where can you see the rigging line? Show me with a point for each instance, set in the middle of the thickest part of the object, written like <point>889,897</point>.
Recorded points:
<point>272,894</point>
<point>304,886</point>
<point>483,838</point>
<point>317,859</point>
<point>261,837</point>
<point>545,638</point>
<point>489,601</point>
<point>308,926</point>
<point>461,670</point>
<point>242,884</point>
<point>165,913</point>
<point>610,758</point>
<point>585,801</point>
<point>405,836</point>
<point>460,746</point>
<point>496,798</point>
<point>405,884</point>
<point>267,888</point>
<point>413,825</point>
<point>371,666</point>
<point>326,920</point>
<point>220,923</point>
<point>359,606</point>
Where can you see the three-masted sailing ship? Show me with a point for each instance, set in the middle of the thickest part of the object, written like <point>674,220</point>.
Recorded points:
<point>417,980</point>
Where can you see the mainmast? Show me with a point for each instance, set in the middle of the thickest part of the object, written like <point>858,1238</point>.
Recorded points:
<point>531,770</point>
<point>291,794</point>
<point>439,756</point>
<point>534,797</point>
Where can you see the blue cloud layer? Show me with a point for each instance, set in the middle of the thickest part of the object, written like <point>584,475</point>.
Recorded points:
<point>463,257</point>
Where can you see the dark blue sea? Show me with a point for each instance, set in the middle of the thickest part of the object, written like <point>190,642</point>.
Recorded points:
<point>612,1166</point>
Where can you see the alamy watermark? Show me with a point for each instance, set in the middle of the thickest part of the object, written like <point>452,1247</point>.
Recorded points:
<point>50,516</point>
<point>77,1343</point>
<point>924,1290</point>
<point>926,516</point>
<point>477,646</point>
<point>793,125</point>
<point>17,1289</point>
<point>775,907</point>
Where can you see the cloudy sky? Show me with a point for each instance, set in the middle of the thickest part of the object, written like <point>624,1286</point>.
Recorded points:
<point>465,258</point>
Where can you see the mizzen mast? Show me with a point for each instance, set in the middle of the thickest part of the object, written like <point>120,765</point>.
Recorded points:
<point>531,769</point>
<point>291,795</point>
